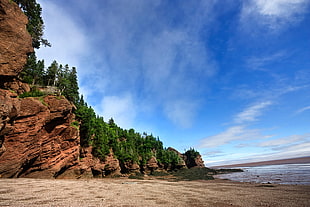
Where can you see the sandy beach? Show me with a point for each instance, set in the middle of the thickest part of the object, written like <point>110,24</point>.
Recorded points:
<point>129,192</point>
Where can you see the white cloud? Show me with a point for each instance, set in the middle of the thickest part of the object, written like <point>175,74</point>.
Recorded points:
<point>121,108</point>
<point>302,110</point>
<point>282,148</point>
<point>251,113</point>
<point>275,14</point>
<point>280,8</point>
<point>181,113</point>
<point>241,131</point>
<point>145,54</point>
<point>234,133</point>
<point>132,47</point>
<point>260,63</point>
<point>69,41</point>
<point>284,141</point>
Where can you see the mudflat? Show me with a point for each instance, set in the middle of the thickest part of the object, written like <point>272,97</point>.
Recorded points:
<point>129,192</point>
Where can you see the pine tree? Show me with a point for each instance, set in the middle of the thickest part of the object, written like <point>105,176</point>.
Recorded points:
<point>33,70</point>
<point>72,93</point>
<point>35,24</point>
<point>51,74</point>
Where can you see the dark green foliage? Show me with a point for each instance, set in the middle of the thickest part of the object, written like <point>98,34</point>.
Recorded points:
<point>138,176</point>
<point>33,93</point>
<point>64,78</point>
<point>75,124</point>
<point>35,24</point>
<point>71,91</point>
<point>225,171</point>
<point>51,73</point>
<point>33,72</point>
<point>66,81</point>
<point>159,173</point>
<point>191,155</point>
<point>169,159</point>
<point>127,145</point>
<point>87,117</point>
<point>194,174</point>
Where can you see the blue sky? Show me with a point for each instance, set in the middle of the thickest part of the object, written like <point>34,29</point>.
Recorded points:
<point>230,78</point>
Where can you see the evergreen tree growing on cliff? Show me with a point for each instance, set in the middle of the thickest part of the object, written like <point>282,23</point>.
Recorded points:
<point>72,92</point>
<point>33,72</point>
<point>35,24</point>
<point>51,74</point>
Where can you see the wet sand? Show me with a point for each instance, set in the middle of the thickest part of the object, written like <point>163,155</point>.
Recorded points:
<point>129,192</point>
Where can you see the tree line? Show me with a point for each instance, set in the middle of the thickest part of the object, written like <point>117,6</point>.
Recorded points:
<point>127,145</point>
<point>61,76</point>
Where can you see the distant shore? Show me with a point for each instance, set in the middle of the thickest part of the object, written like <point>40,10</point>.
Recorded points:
<point>299,160</point>
<point>130,192</point>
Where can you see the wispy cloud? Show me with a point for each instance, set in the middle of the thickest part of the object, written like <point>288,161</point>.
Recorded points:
<point>141,52</point>
<point>134,47</point>
<point>234,133</point>
<point>261,63</point>
<point>275,14</point>
<point>120,108</point>
<point>284,141</point>
<point>302,110</point>
<point>241,131</point>
<point>69,41</point>
<point>251,113</point>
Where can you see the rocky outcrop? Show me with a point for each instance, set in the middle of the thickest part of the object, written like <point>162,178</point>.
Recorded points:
<point>15,42</point>
<point>9,107</point>
<point>197,162</point>
<point>13,84</point>
<point>129,167</point>
<point>187,162</point>
<point>181,163</point>
<point>37,138</point>
<point>89,166</point>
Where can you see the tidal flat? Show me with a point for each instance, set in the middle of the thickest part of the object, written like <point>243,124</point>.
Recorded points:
<point>148,192</point>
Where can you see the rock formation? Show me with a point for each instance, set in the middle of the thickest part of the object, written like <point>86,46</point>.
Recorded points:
<point>37,139</point>
<point>15,42</point>
<point>197,162</point>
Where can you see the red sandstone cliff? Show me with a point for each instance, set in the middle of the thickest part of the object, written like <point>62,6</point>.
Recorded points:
<point>36,139</point>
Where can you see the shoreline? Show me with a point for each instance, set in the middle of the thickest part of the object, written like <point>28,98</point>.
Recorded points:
<point>299,160</point>
<point>149,192</point>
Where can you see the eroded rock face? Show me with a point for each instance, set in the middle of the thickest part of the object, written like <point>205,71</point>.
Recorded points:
<point>199,162</point>
<point>13,84</point>
<point>38,139</point>
<point>15,42</point>
<point>9,108</point>
<point>90,166</point>
<point>181,163</point>
<point>130,167</point>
